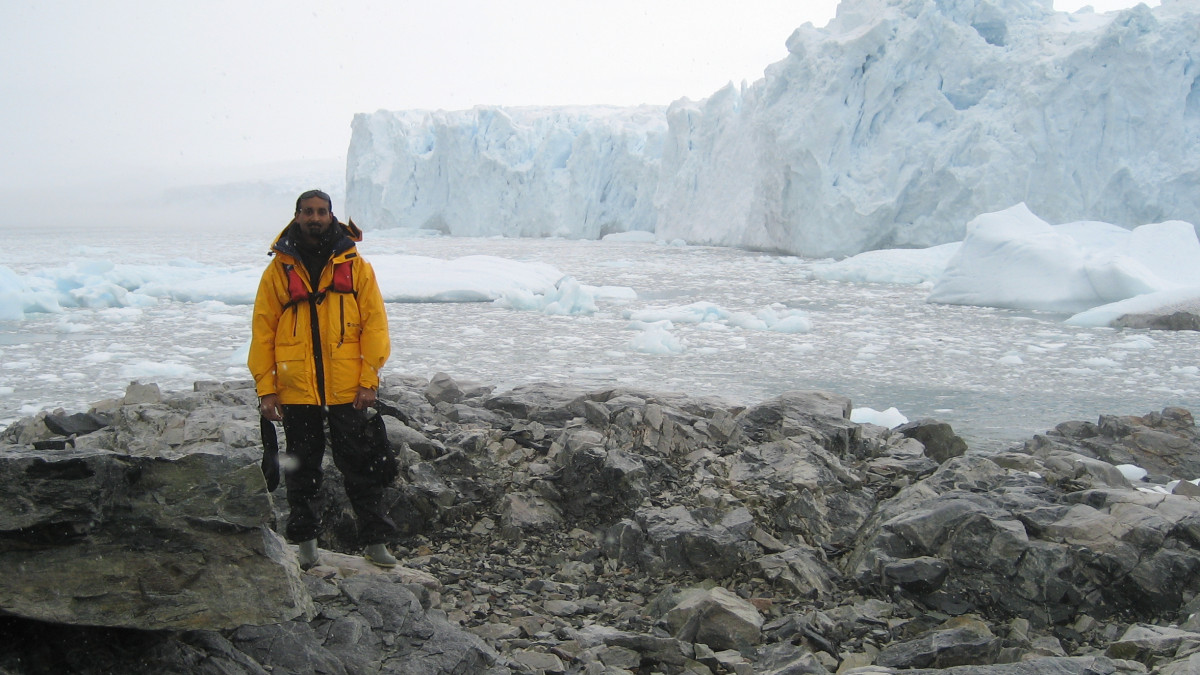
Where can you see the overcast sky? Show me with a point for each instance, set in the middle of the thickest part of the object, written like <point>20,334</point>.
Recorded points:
<point>93,88</point>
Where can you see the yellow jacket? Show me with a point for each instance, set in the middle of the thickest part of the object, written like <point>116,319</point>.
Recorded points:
<point>323,363</point>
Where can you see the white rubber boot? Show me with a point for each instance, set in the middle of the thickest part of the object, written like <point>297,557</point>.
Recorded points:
<point>308,554</point>
<point>377,554</point>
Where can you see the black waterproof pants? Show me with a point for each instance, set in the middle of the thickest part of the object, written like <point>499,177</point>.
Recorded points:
<point>353,454</point>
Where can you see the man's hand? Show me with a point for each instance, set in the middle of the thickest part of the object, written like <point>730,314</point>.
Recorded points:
<point>268,407</point>
<point>364,398</point>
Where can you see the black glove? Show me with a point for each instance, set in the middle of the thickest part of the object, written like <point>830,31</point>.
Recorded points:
<point>270,460</point>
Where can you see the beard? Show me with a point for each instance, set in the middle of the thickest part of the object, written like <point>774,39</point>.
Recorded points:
<point>314,235</point>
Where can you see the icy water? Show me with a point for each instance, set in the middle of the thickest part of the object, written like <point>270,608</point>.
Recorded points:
<point>997,376</point>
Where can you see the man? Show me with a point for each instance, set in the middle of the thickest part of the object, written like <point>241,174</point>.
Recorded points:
<point>319,339</point>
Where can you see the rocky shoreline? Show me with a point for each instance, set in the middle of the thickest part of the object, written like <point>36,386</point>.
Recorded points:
<point>549,529</point>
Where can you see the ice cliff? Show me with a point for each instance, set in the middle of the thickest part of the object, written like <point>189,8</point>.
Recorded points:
<point>893,126</point>
<point>520,172</point>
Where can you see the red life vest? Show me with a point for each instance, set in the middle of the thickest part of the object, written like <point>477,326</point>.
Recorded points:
<point>343,282</point>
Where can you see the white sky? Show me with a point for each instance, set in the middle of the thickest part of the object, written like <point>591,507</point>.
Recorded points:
<point>91,89</point>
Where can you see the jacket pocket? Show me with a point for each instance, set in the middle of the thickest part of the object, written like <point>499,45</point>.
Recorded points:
<point>292,370</point>
<point>346,367</point>
<point>351,322</point>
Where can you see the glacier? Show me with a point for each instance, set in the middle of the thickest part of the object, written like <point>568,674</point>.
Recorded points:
<point>581,172</point>
<point>891,127</point>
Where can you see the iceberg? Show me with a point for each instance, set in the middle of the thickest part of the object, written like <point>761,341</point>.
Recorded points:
<point>1014,259</point>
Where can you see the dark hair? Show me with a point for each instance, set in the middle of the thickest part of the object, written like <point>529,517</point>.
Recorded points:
<point>314,193</point>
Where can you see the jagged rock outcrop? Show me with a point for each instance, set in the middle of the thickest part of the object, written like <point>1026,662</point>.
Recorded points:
<point>558,530</point>
<point>1162,443</point>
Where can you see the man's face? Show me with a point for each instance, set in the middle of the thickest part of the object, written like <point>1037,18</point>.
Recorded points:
<point>314,218</point>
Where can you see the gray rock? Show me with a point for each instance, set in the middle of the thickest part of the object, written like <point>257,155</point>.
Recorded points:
<point>817,415</point>
<point>522,514</point>
<point>665,650</point>
<point>1079,471</point>
<point>1176,320</point>
<point>690,541</point>
<point>958,642</point>
<point>624,542</point>
<point>1078,665</point>
<point>78,424</point>
<point>717,618</point>
<point>292,647</point>
<point>138,393</point>
<point>471,415</point>
<point>556,524</point>
<point>620,657</point>
<point>562,608</point>
<point>919,575</point>
<point>492,632</point>
<point>401,435</point>
<point>112,540</point>
<point>539,662</point>
<point>546,403</point>
<point>443,389</point>
<point>787,659</point>
<point>373,625</point>
<point>595,480</point>
<point>1188,665</point>
<point>1152,645</point>
<point>901,460</point>
<point>1164,443</point>
<point>1016,547</point>
<point>939,439</point>
<point>802,570</point>
<point>819,496</point>
<point>217,421</point>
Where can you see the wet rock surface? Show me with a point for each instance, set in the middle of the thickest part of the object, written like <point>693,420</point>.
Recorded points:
<point>554,530</point>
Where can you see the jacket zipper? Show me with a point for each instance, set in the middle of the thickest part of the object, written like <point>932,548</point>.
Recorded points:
<point>342,308</point>
<point>318,361</point>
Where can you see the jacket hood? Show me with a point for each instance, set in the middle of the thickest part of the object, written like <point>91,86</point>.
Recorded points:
<point>344,235</point>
